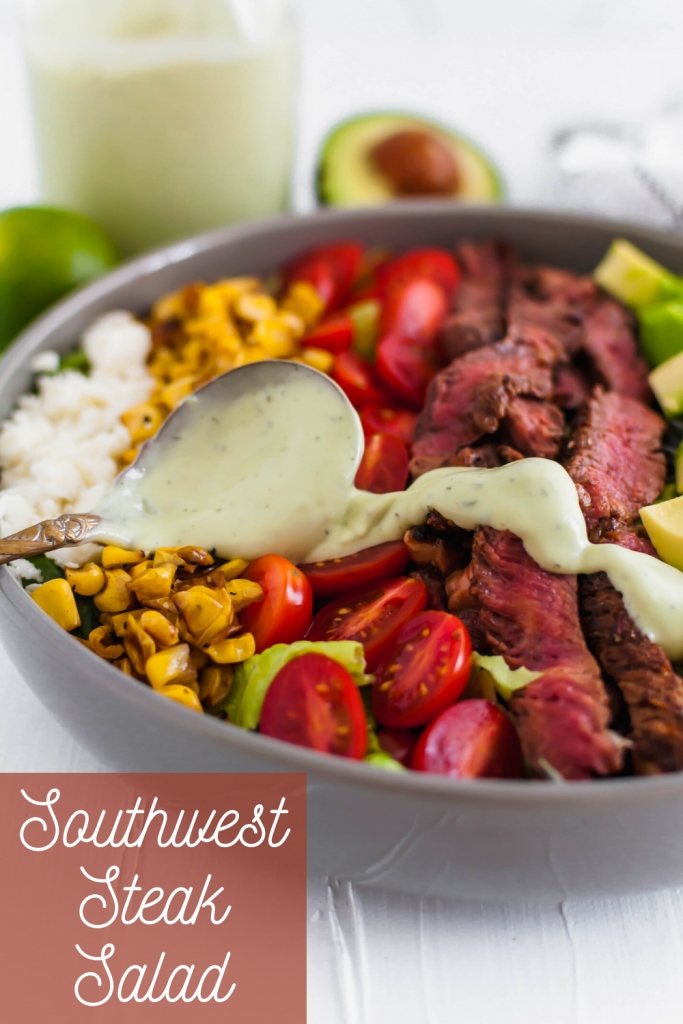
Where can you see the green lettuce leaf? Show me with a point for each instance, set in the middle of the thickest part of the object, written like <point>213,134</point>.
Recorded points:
<point>253,677</point>
<point>380,759</point>
<point>505,679</point>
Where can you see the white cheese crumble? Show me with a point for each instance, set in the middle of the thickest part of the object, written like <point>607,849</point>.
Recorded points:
<point>59,448</point>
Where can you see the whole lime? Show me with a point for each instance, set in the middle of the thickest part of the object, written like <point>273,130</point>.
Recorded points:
<point>44,254</point>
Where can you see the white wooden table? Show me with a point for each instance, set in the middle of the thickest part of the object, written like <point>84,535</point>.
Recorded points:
<point>506,73</point>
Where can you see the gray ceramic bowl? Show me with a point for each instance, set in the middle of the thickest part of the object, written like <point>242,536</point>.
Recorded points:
<point>412,832</point>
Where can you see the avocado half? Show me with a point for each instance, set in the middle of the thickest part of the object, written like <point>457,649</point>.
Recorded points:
<point>347,175</point>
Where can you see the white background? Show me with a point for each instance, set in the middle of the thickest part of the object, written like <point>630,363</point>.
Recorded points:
<point>507,72</point>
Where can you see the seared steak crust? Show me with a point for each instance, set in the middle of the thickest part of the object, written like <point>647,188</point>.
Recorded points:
<point>477,317</point>
<point>651,688</point>
<point>470,397</point>
<point>614,459</point>
<point>531,618</point>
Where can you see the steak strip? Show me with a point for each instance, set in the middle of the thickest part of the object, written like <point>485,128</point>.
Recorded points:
<point>469,398</point>
<point>531,618</point>
<point>617,468</point>
<point>478,309</point>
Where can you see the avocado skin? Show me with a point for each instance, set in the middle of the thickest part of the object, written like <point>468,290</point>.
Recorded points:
<point>494,192</point>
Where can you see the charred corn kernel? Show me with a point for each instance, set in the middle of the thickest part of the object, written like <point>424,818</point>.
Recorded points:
<point>120,622</point>
<point>124,665</point>
<point>163,632</point>
<point>115,597</point>
<point>318,358</point>
<point>242,593</point>
<point>116,558</point>
<point>87,581</point>
<point>155,583</point>
<point>293,323</point>
<point>234,286</point>
<point>173,665</point>
<point>174,393</point>
<point>302,299</point>
<point>215,683</point>
<point>200,659</point>
<point>142,421</point>
<point>274,337</point>
<point>56,598</point>
<point>234,568</point>
<point>254,307</point>
<point>218,629</point>
<point>182,695</point>
<point>199,608</point>
<point>128,456</point>
<point>195,556</point>
<point>250,354</point>
<point>169,307</point>
<point>137,570</point>
<point>100,642</point>
<point>139,645</point>
<point>232,650</point>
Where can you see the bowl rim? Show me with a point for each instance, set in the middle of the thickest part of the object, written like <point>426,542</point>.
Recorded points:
<point>286,756</point>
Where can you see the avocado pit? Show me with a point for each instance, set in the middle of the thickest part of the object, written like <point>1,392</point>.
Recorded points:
<point>416,163</point>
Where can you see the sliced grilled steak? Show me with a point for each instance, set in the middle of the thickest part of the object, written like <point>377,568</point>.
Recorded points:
<point>651,688</point>
<point>617,467</point>
<point>477,317</point>
<point>533,428</point>
<point>614,460</point>
<point>468,399</point>
<point>609,342</point>
<point>571,388</point>
<point>531,618</point>
<point>552,300</point>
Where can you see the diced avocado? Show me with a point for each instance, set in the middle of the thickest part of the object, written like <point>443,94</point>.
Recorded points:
<point>385,761</point>
<point>661,332</point>
<point>634,278</point>
<point>348,174</point>
<point>667,384</point>
<point>664,524</point>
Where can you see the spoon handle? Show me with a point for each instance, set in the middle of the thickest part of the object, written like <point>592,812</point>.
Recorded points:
<point>71,528</point>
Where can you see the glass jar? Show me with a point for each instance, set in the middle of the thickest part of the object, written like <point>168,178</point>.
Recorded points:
<point>163,118</point>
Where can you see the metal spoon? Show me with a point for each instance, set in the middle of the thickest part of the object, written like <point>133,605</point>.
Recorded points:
<point>78,528</point>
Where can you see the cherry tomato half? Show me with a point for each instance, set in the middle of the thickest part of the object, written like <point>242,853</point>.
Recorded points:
<point>384,466</point>
<point>473,739</point>
<point>333,335</point>
<point>314,702</point>
<point>377,419</point>
<point>285,612</point>
<point>331,269</point>
<point>405,368</point>
<point>357,379</point>
<point>415,310</point>
<point>423,671</point>
<point>373,617</point>
<point>399,743</point>
<point>433,263</point>
<point>342,575</point>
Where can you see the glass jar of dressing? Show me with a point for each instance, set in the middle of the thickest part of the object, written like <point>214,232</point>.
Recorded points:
<point>163,118</point>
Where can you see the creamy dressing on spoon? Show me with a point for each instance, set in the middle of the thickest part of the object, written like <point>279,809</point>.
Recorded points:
<point>272,468</point>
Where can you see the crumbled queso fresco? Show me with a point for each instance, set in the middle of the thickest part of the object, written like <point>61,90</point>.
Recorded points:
<point>59,448</point>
